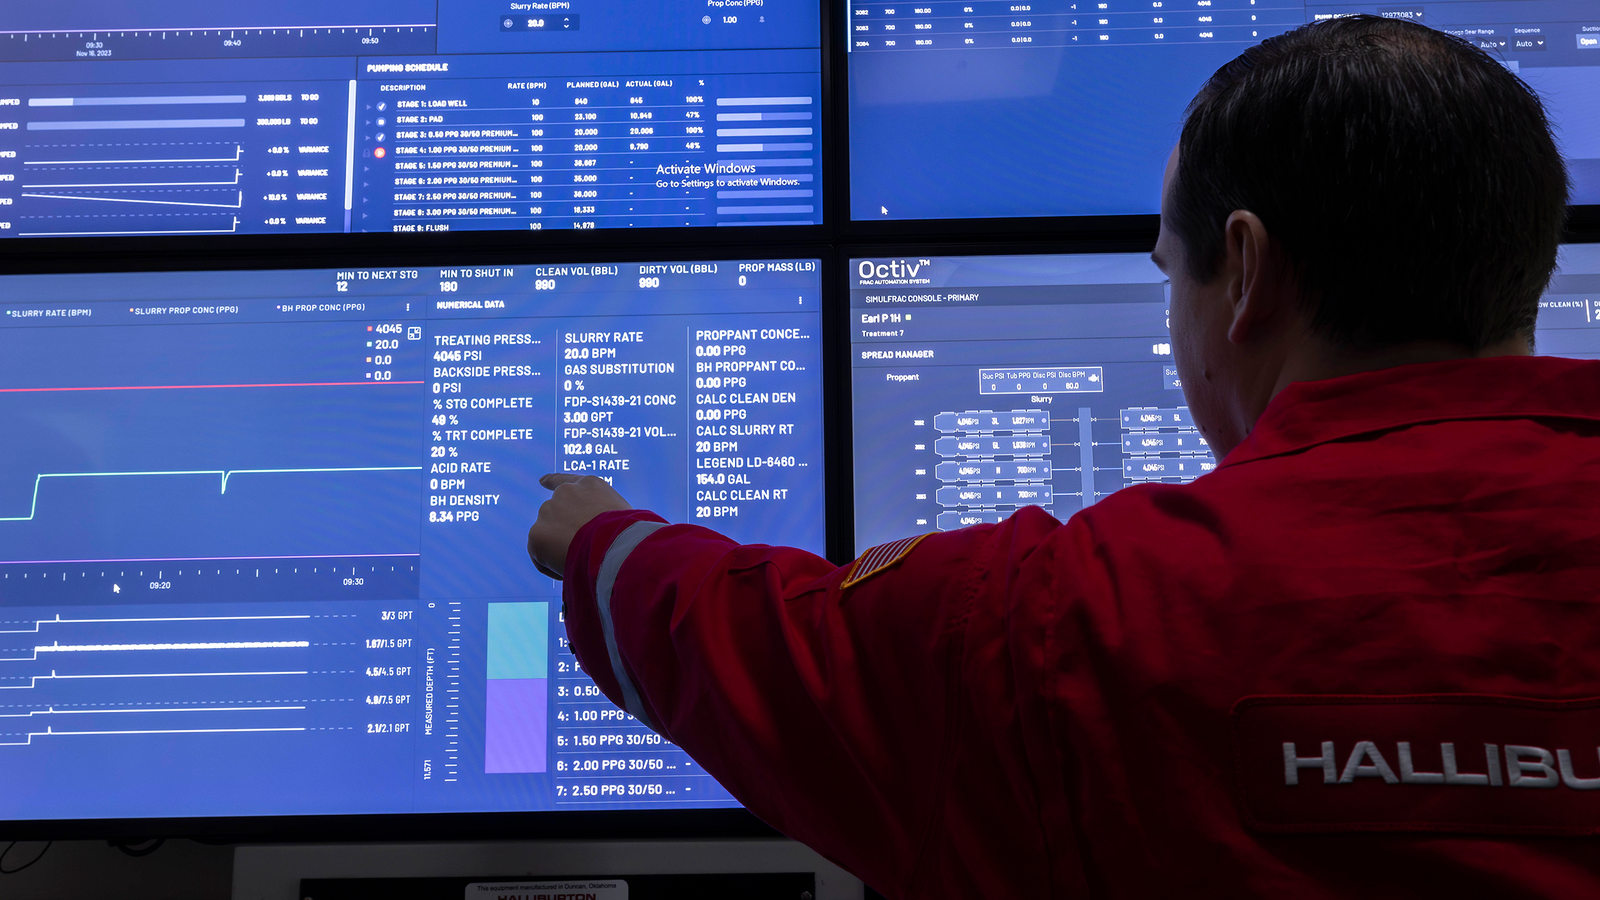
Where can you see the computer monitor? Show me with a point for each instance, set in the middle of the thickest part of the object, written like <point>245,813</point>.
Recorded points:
<point>1569,314</point>
<point>205,117</point>
<point>972,110</point>
<point>982,384</point>
<point>262,532</point>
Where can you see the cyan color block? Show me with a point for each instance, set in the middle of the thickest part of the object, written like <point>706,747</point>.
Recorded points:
<point>519,640</point>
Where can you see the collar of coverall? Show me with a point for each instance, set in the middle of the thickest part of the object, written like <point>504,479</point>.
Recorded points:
<point>1308,413</point>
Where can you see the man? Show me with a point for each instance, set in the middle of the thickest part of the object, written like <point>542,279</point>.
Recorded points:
<point>1356,660</point>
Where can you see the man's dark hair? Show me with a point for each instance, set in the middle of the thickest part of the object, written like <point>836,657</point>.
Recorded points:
<point>1411,180</point>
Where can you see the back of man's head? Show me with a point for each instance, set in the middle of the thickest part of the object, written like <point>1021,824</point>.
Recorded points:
<point>1411,181</point>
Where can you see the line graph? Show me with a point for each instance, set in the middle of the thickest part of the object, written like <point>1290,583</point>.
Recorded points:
<point>224,474</point>
<point>181,162</point>
<point>120,184</point>
<point>238,154</point>
<point>203,387</point>
<point>236,204</point>
<point>231,229</point>
<point>154,697</point>
<point>48,732</point>
<point>162,440</point>
<point>37,623</point>
<point>201,183</point>
<point>121,624</point>
<point>190,645</point>
<point>185,29</point>
<point>52,711</point>
<point>53,676</point>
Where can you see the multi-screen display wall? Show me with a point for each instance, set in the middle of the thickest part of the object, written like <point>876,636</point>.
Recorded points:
<point>262,517</point>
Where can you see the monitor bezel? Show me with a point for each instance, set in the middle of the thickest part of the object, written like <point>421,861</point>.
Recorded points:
<point>533,824</point>
<point>1583,220</point>
<point>842,479</point>
<point>564,242</point>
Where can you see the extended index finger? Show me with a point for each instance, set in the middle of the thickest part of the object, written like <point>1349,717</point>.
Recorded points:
<point>556,479</point>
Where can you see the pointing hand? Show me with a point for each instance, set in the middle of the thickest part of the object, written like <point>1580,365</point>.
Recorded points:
<point>576,500</point>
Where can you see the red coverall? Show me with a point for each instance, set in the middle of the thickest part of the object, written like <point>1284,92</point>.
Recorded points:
<point>1360,659</point>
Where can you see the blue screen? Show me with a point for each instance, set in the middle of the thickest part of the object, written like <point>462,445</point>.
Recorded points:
<point>985,384</point>
<point>1070,107</point>
<point>224,117</point>
<point>262,533</point>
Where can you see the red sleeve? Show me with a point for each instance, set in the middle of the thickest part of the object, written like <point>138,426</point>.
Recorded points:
<point>829,713</point>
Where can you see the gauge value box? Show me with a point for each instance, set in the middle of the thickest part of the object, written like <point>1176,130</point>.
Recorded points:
<point>994,470</point>
<point>993,445</point>
<point>1152,468</point>
<point>951,520</point>
<point>984,420</point>
<point>1043,380</point>
<point>994,495</point>
<point>1136,443</point>
<point>1141,417</point>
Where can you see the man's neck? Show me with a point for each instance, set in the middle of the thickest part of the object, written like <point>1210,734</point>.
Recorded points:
<point>1320,360</point>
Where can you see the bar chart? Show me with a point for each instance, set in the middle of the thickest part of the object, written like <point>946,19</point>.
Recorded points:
<point>515,717</point>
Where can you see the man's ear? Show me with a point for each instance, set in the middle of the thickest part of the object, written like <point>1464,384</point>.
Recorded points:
<point>1256,282</point>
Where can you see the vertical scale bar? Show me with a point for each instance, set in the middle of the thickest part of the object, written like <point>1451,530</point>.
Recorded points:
<point>516,709</point>
<point>689,368</point>
<point>349,155</point>
<point>452,765</point>
<point>1086,452</point>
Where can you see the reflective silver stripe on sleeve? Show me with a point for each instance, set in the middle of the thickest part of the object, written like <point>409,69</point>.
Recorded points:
<point>616,554</point>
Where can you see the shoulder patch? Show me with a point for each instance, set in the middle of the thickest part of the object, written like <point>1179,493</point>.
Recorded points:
<point>879,558</point>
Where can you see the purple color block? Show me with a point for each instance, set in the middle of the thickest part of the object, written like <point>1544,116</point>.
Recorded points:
<point>515,725</point>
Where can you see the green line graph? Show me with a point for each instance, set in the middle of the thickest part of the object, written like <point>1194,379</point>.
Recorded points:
<point>223,474</point>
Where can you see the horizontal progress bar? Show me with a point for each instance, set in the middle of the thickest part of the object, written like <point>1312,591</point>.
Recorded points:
<point>765,163</point>
<point>200,387</point>
<point>760,148</point>
<point>764,117</point>
<point>764,195</point>
<point>800,131</point>
<point>763,101</point>
<point>749,210</point>
<point>174,100</point>
<point>129,124</point>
